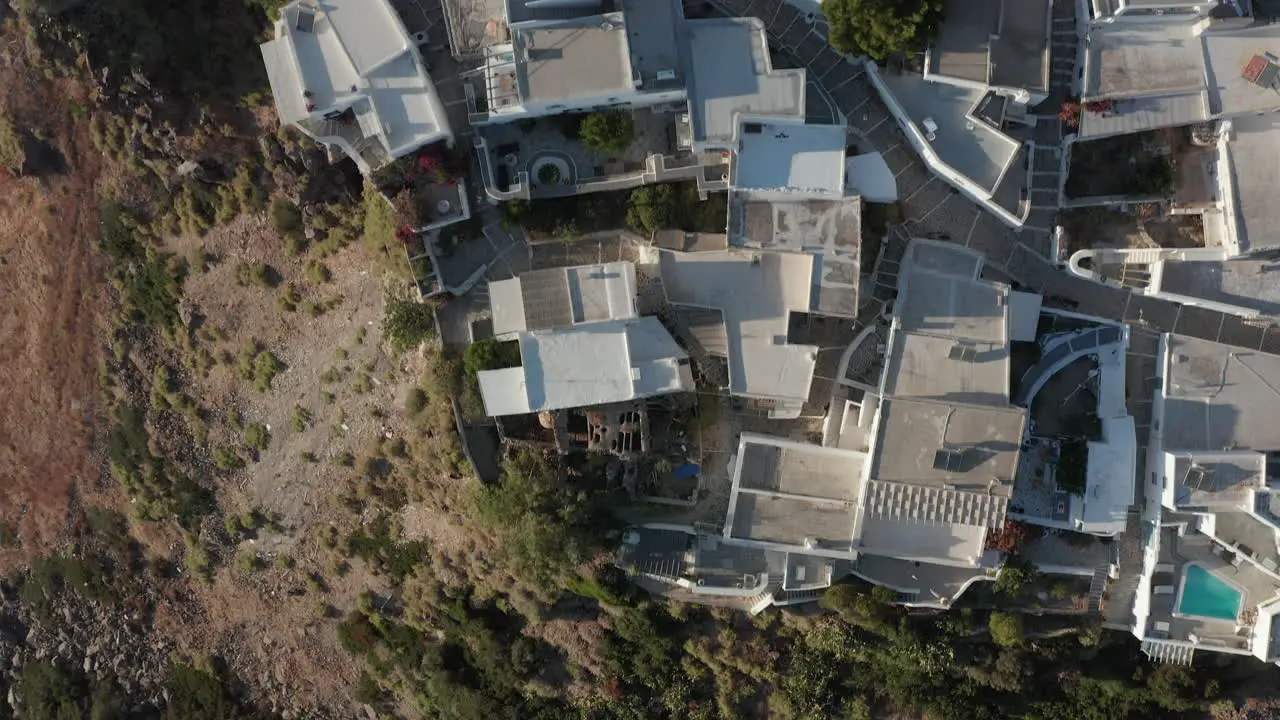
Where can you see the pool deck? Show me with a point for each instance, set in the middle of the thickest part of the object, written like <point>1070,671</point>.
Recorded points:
<point>1176,553</point>
<point>1203,601</point>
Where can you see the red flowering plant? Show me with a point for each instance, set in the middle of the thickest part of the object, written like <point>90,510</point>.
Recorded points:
<point>1099,107</point>
<point>1070,113</point>
<point>1012,536</point>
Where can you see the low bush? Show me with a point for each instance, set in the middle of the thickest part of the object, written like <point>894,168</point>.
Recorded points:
<point>407,324</point>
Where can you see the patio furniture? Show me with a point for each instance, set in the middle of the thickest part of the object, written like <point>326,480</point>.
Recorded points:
<point>930,128</point>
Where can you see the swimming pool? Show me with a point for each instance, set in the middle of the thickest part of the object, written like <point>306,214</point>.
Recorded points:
<point>1207,595</point>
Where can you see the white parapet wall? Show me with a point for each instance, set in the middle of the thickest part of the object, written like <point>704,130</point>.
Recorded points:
<point>931,159</point>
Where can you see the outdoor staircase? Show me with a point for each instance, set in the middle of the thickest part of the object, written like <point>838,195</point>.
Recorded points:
<point>795,597</point>
<point>1097,586</point>
<point>884,276</point>
<point>907,598</point>
<point>759,603</point>
<point>1168,652</point>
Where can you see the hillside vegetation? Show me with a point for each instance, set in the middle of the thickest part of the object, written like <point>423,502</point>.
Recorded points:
<point>238,490</point>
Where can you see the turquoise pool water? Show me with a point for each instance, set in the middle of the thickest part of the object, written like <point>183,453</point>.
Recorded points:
<point>1206,595</point>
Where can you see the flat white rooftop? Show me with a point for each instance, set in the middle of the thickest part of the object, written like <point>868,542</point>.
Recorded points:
<point>588,365</point>
<point>794,495</point>
<point>947,440</point>
<point>1218,396</point>
<point>562,297</point>
<point>791,158</point>
<point>732,75</point>
<point>584,59</point>
<point>1130,59</point>
<point>1253,151</point>
<point>1174,71</point>
<point>756,291</point>
<point>986,439</point>
<point>964,142</point>
<point>951,332</point>
<point>331,56</point>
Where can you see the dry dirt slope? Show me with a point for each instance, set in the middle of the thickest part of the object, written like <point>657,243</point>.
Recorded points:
<point>52,310</point>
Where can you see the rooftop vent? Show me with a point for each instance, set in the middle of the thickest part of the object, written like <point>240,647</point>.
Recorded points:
<point>948,460</point>
<point>752,128</point>
<point>666,74</point>
<point>1261,71</point>
<point>306,21</point>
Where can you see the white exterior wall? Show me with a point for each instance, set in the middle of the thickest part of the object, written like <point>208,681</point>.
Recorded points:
<point>931,159</point>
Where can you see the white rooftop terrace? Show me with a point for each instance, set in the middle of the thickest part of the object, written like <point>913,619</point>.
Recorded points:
<point>1136,58</point>
<point>329,55</point>
<point>562,297</point>
<point>588,365</point>
<point>950,339</point>
<point>963,142</point>
<point>756,291</point>
<point>563,62</point>
<point>794,495</point>
<point>732,74</point>
<point>790,158</point>
<point>1174,70</point>
<point>1253,157</point>
<point>1217,396</point>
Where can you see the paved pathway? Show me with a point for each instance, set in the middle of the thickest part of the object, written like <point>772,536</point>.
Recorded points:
<point>934,209</point>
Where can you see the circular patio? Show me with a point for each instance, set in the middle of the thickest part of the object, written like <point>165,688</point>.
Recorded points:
<point>551,167</point>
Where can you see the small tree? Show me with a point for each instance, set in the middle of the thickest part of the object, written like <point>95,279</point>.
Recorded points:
<point>1006,629</point>
<point>869,610</point>
<point>608,132</point>
<point>1015,576</point>
<point>490,355</point>
<point>651,208</point>
<point>880,28</point>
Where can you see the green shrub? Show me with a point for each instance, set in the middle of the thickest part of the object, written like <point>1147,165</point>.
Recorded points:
<point>881,29</point>
<point>248,561</point>
<point>406,324</point>
<point>363,383</point>
<point>490,355</point>
<point>1015,577</point>
<point>227,459</point>
<point>289,298</point>
<point>1006,629</point>
<point>196,560</point>
<point>12,154</point>
<point>415,402</point>
<point>258,365</point>
<point>651,208</point>
<point>608,132</point>
<point>301,418</point>
<point>256,436</point>
<point>286,217</point>
<point>318,272</point>
<point>198,693</point>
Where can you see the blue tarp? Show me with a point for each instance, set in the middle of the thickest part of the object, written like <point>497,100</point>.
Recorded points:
<point>685,471</point>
